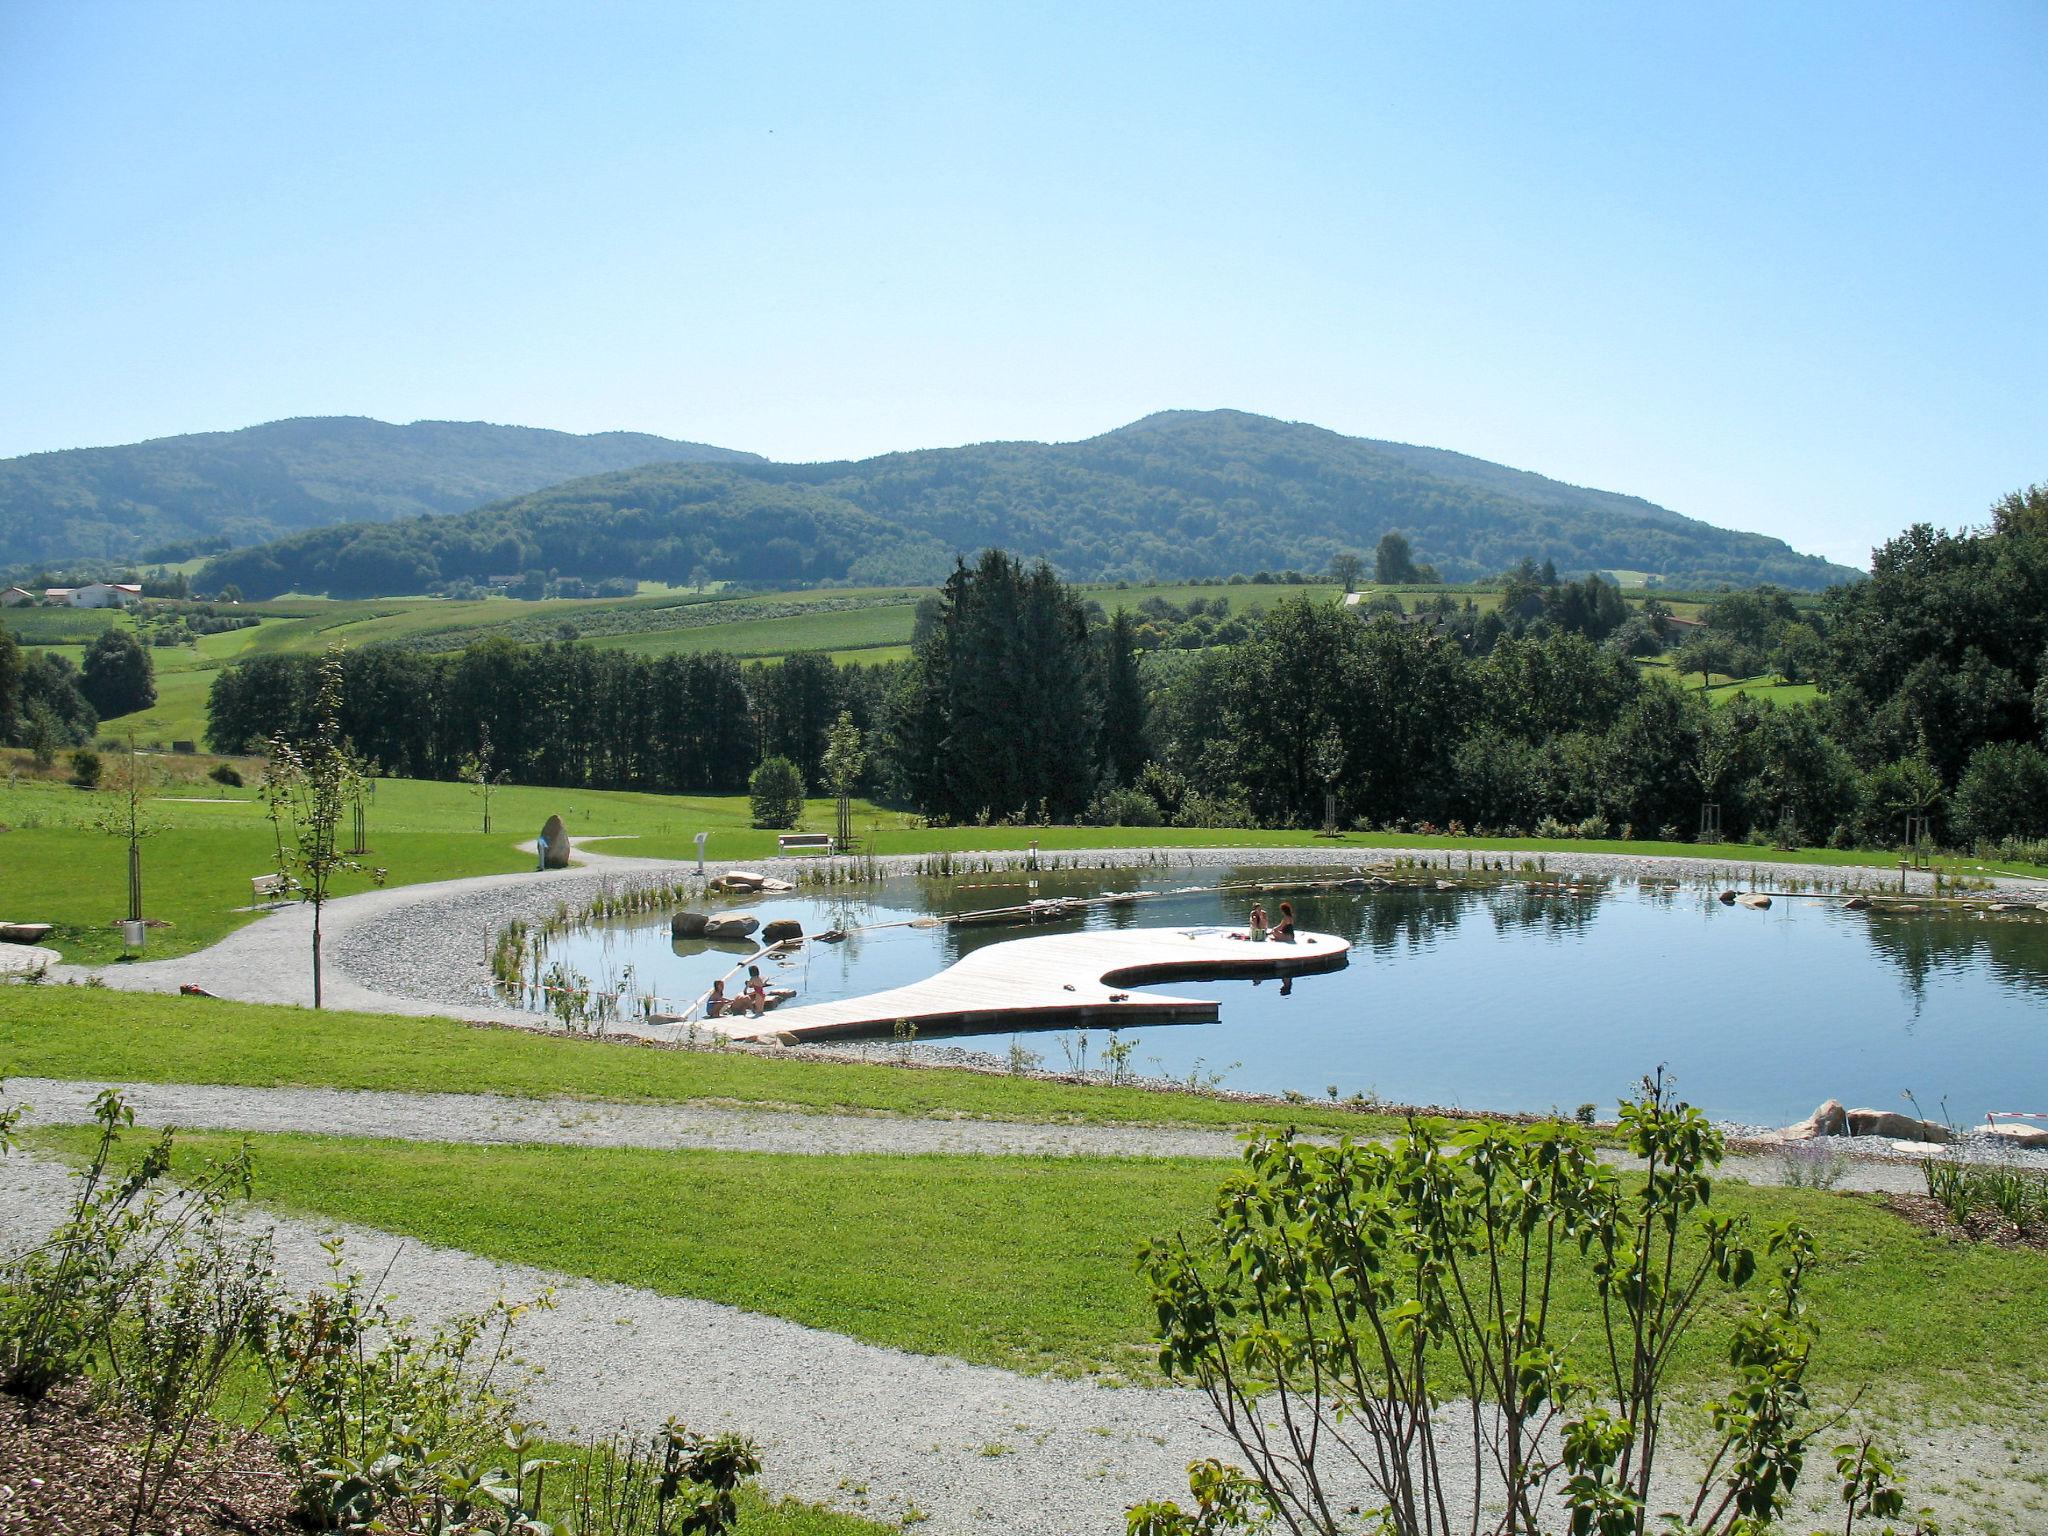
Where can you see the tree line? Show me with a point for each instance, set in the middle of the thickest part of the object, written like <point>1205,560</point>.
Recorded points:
<point>46,702</point>
<point>1022,702</point>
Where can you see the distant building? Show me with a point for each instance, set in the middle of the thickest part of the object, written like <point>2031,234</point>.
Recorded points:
<point>17,597</point>
<point>58,596</point>
<point>100,594</point>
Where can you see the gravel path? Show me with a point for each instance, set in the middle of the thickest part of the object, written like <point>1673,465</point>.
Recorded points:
<point>490,1119</point>
<point>876,1431</point>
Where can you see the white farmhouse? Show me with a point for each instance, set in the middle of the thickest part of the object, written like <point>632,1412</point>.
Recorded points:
<point>104,594</point>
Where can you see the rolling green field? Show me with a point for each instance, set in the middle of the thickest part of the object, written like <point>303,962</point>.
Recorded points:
<point>1027,1263</point>
<point>867,625</point>
<point>59,868</point>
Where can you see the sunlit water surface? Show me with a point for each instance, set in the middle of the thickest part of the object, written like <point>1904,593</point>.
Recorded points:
<point>1494,998</point>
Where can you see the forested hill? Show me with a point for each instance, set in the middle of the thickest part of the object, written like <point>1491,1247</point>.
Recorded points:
<point>98,504</point>
<point>1179,494</point>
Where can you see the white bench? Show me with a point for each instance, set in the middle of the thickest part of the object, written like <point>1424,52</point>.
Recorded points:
<point>270,887</point>
<point>822,841</point>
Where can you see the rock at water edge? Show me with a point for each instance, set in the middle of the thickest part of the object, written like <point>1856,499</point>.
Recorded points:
<point>555,837</point>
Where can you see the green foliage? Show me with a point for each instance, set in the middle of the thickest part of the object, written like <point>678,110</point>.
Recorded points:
<point>775,793</point>
<point>119,677</point>
<point>1346,1281</point>
<point>225,774</point>
<point>1180,493</point>
<point>61,1301</point>
<point>85,769</point>
<point>1941,651</point>
<point>2003,793</point>
<point>308,784</point>
<point>998,715</point>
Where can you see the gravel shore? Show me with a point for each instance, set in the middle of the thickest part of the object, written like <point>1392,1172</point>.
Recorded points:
<point>489,1119</point>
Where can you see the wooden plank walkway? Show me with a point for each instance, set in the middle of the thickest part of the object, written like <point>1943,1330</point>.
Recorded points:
<point>1056,980</point>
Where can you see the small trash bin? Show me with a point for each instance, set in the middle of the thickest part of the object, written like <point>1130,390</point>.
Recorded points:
<point>133,931</point>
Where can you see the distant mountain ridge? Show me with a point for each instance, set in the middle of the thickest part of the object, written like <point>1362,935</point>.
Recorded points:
<point>1177,494</point>
<point>264,482</point>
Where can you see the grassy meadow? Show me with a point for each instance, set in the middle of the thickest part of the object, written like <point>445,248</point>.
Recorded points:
<point>56,866</point>
<point>1027,1263</point>
<point>91,1033</point>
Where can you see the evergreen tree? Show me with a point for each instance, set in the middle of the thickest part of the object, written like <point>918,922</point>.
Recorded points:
<point>1123,739</point>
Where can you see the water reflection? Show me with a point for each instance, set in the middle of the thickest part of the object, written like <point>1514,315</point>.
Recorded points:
<point>1511,994</point>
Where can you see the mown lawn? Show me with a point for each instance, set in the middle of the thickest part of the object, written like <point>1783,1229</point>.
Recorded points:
<point>57,867</point>
<point>1028,1263</point>
<point>95,1033</point>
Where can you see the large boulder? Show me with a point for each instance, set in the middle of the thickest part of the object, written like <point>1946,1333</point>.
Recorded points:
<point>1889,1122</point>
<point>782,930</point>
<point>555,837</point>
<point>2033,1137</point>
<point>730,925</point>
<point>1755,899</point>
<point>739,880</point>
<point>1830,1119</point>
<point>688,925</point>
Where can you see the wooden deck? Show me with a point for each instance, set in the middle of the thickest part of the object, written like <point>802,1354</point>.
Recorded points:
<point>1057,980</point>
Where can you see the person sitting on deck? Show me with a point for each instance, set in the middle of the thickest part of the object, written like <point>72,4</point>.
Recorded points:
<point>756,994</point>
<point>716,1002</point>
<point>1258,922</point>
<point>1283,931</point>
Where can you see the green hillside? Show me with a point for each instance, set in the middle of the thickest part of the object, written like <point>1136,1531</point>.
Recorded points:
<point>1177,495</point>
<point>212,490</point>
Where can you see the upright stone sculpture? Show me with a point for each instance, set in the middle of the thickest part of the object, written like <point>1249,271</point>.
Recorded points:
<point>554,840</point>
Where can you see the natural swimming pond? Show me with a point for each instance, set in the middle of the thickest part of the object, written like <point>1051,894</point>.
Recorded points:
<point>1489,997</point>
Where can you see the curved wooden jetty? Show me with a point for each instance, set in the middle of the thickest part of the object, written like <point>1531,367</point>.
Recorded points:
<point>1058,980</point>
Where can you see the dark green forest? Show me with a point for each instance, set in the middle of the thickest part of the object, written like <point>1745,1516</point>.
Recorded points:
<point>1022,702</point>
<point>177,497</point>
<point>1178,495</point>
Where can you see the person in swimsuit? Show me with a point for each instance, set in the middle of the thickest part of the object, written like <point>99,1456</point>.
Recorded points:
<point>716,1002</point>
<point>1258,923</point>
<point>1283,931</point>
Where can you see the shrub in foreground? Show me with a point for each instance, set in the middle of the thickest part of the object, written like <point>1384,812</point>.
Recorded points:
<point>1336,1290</point>
<point>381,1426</point>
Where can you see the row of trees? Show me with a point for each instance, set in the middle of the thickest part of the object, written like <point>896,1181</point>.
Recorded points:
<point>1019,701</point>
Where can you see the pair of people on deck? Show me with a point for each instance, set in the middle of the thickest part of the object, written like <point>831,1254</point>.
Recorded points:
<point>752,998</point>
<point>1281,932</point>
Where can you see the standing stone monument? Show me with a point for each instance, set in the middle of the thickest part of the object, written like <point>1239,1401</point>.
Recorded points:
<point>554,845</point>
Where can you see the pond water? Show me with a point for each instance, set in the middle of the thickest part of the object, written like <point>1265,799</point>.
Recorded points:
<point>1494,997</point>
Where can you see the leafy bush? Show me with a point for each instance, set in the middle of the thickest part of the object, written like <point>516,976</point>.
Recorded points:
<point>85,768</point>
<point>227,774</point>
<point>1340,1294</point>
<point>1118,807</point>
<point>2003,793</point>
<point>776,793</point>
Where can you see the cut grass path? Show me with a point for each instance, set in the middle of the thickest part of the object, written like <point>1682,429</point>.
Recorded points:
<point>1027,1263</point>
<point>94,1034</point>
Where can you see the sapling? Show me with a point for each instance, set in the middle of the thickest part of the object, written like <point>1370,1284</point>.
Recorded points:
<point>306,785</point>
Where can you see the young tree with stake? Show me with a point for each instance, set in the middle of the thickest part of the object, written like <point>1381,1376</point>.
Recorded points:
<point>306,786</point>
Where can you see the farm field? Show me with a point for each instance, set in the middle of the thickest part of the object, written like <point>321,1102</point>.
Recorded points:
<point>865,625</point>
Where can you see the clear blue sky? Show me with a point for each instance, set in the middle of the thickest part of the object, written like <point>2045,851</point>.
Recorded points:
<point>1782,267</point>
